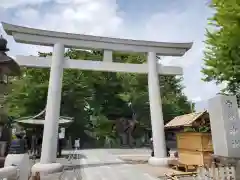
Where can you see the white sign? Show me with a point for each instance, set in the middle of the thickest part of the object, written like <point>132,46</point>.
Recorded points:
<point>62,133</point>
<point>14,130</point>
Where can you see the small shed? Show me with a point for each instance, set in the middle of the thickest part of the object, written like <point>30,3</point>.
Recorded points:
<point>193,137</point>
<point>183,122</point>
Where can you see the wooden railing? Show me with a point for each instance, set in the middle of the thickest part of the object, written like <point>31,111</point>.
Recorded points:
<point>217,173</point>
<point>207,173</point>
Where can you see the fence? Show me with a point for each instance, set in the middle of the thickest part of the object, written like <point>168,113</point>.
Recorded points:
<point>207,173</point>
<point>217,173</point>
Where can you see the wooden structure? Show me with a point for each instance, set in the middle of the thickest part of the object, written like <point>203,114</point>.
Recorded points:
<point>194,147</point>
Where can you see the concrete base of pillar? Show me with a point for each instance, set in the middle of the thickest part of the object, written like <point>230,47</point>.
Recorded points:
<point>154,161</point>
<point>21,162</point>
<point>46,168</point>
<point>9,172</point>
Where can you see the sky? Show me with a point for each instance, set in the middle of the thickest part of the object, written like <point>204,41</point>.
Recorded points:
<point>156,20</point>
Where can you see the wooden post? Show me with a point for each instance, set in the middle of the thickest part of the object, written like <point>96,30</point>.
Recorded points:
<point>36,176</point>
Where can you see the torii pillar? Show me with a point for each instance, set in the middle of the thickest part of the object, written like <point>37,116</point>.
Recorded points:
<point>157,122</point>
<point>58,63</point>
<point>50,133</point>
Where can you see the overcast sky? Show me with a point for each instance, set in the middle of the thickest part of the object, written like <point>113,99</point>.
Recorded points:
<point>157,20</point>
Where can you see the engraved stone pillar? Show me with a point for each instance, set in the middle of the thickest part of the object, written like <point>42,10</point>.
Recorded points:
<point>225,126</point>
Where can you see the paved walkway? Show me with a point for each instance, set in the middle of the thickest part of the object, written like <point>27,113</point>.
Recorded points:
<point>128,152</point>
<point>101,165</point>
<point>68,173</point>
<point>105,164</point>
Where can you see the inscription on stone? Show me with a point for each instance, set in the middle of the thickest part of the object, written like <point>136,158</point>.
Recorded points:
<point>233,131</point>
<point>236,143</point>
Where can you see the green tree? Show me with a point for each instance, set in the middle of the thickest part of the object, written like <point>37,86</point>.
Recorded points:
<point>222,54</point>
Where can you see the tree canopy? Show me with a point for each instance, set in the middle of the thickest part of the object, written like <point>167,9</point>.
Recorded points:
<point>222,54</point>
<point>101,94</point>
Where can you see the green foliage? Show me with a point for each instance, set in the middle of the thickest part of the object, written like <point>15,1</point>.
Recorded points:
<point>136,91</point>
<point>202,129</point>
<point>100,128</point>
<point>103,95</point>
<point>222,54</point>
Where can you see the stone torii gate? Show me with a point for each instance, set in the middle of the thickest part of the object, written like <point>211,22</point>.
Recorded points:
<point>57,63</point>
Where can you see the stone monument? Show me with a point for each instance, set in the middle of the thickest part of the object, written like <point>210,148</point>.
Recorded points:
<point>225,126</point>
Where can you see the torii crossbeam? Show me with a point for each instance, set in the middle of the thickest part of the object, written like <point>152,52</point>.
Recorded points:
<point>57,62</point>
<point>45,62</point>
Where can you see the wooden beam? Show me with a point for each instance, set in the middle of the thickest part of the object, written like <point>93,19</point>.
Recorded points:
<point>41,62</point>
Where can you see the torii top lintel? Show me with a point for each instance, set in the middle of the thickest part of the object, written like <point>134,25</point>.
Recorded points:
<point>49,38</point>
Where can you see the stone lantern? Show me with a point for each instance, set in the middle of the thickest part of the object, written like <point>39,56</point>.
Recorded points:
<point>8,67</point>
